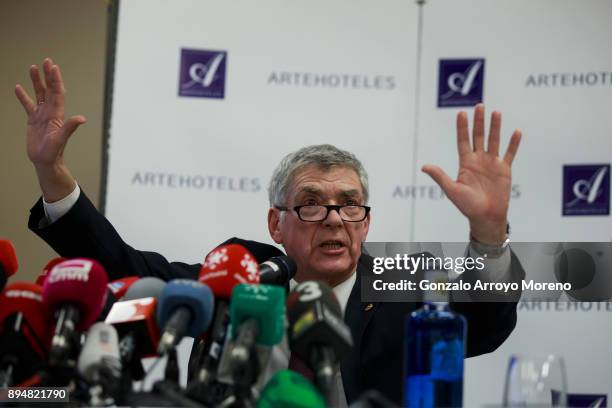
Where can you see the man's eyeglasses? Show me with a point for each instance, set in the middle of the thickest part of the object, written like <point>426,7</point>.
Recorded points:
<point>316,213</point>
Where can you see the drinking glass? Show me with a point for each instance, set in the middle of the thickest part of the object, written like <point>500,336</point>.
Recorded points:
<point>535,381</point>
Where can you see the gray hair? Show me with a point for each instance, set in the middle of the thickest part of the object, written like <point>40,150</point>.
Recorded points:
<point>324,156</point>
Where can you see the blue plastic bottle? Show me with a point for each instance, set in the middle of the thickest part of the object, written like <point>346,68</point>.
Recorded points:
<point>434,349</point>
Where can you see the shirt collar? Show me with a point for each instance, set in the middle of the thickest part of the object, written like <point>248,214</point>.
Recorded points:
<point>342,290</point>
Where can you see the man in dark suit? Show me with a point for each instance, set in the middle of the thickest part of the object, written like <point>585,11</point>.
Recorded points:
<point>318,213</point>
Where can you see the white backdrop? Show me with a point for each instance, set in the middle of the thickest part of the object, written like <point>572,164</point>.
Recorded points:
<point>562,125</point>
<point>245,134</point>
<point>185,173</point>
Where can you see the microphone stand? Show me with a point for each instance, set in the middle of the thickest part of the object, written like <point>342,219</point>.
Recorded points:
<point>324,371</point>
<point>245,366</point>
<point>169,386</point>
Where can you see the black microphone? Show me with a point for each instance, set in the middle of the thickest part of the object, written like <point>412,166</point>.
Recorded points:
<point>278,270</point>
<point>317,332</point>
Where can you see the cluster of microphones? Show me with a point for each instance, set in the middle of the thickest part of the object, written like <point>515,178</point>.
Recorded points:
<point>73,328</point>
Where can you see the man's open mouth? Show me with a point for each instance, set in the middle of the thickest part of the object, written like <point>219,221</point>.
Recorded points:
<point>332,244</point>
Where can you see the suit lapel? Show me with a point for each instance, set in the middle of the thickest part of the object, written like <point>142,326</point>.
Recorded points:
<point>357,316</point>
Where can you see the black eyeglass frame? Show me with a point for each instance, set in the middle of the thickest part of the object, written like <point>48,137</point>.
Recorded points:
<point>328,208</point>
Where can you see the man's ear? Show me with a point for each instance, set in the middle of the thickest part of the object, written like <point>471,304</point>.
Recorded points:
<point>274,225</point>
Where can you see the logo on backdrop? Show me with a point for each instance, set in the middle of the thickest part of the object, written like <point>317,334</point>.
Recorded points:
<point>333,81</point>
<point>564,306</point>
<point>460,82</point>
<point>202,73</point>
<point>569,79</point>
<point>234,184</point>
<point>433,192</point>
<point>586,189</point>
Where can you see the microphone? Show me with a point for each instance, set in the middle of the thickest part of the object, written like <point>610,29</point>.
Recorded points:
<point>262,304</point>
<point>119,287</point>
<point>278,270</point>
<point>8,261</point>
<point>317,332</point>
<point>145,287</point>
<point>257,313</point>
<point>227,266</point>
<point>99,363</point>
<point>223,269</point>
<point>115,291</point>
<point>40,280</point>
<point>290,389</point>
<point>136,324</point>
<point>75,290</point>
<point>185,309</point>
<point>24,332</point>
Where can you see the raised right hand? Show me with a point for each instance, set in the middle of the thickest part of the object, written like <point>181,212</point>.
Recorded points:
<point>47,133</point>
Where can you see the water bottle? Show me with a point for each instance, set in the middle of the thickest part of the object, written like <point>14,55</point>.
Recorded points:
<point>434,349</point>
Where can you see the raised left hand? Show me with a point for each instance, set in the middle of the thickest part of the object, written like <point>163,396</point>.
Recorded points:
<point>482,189</point>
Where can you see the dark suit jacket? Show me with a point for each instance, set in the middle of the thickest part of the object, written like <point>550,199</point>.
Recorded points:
<point>375,363</point>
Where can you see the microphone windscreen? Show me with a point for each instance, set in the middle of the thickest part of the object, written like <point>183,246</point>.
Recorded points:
<point>315,318</point>
<point>26,298</point>
<point>228,266</point>
<point>193,295</point>
<point>79,282</point>
<point>40,280</point>
<point>8,258</point>
<point>137,317</point>
<point>265,304</point>
<point>306,294</point>
<point>278,270</point>
<point>101,347</point>
<point>290,389</point>
<point>145,287</point>
<point>119,287</point>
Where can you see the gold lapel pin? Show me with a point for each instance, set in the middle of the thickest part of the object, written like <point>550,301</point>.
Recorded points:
<point>369,307</point>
